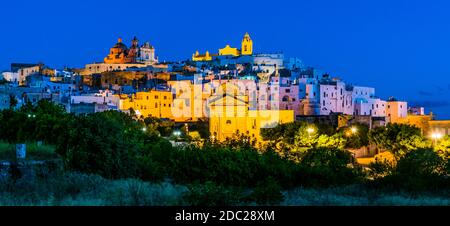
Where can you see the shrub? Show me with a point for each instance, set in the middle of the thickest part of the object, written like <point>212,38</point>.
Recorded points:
<point>267,192</point>
<point>328,166</point>
<point>152,163</point>
<point>421,169</point>
<point>225,166</point>
<point>421,163</point>
<point>211,194</point>
<point>383,165</point>
<point>104,143</point>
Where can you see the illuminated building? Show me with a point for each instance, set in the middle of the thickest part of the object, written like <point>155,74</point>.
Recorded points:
<point>246,49</point>
<point>229,115</point>
<point>396,110</point>
<point>153,103</point>
<point>201,57</point>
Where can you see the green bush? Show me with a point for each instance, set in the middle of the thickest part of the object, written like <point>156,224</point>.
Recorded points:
<point>211,194</point>
<point>328,166</point>
<point>72,188</point>
<point>380,168</point>
<point>105,143</point>
<point>153,161</point>
<point>421,169</point>
<point>225,166</point>
<point>267,192</point>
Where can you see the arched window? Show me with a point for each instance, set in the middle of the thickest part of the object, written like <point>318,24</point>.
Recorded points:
<point>228,121</point>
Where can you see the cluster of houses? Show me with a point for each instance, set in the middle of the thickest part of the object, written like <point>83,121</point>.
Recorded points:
<point>235,90</point>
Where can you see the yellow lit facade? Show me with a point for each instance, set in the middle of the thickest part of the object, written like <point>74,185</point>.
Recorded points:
<point>246,49</point>
<point>247,45</point>
<point>201,57</point>
<point>230,115</point>
<point>440,126</point>
<point>228,50</point>
<point>420,121</point>
<point>149,104</point>
<point>189,103</point>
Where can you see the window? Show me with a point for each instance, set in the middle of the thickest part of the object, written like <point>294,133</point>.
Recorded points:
<point>228,121</point>
<point>156,96</point>
<point>156,105</point>
<point>288,90</point>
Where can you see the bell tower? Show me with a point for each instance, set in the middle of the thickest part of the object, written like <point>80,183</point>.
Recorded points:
<point>247,45</point>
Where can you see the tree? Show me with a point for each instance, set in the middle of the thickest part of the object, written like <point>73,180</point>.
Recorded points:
<point>334,141</point>
<point>356,135</point>
<point>398,138</point>
<point>14,126</point>
<point>106,143</point>
<point>12,101</point>
<point>328,166</point>
<point>420,169</point>
<point>443,147</point>
<point>162,127</point>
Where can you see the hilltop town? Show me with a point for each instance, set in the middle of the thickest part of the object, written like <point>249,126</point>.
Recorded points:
<point>235,90</point>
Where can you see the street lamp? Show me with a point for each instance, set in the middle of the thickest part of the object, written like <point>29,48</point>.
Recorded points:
<point>177,133</point>
<point>354,130</point>
<point>310,130</point>
<point>436,136</point>
<point>144,129</point>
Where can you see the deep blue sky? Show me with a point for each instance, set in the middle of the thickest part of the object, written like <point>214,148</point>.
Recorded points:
<point>402,48</point>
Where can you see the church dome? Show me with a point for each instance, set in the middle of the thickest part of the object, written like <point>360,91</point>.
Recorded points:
<point>120,45</point>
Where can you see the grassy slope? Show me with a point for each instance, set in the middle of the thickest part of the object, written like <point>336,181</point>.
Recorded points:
<point>34,152</point>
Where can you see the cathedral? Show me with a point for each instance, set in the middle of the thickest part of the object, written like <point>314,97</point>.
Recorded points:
<point>121,54</point>
<point>246,49</point>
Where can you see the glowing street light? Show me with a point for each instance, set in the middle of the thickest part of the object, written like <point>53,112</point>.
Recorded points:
<point>177,133</point>
<point>310,130</point>
<point>144,129</point>
<point>436,136</point>
<point>354,130</point>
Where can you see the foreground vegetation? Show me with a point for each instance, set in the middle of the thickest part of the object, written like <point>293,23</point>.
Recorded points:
<point>77,189</point>
<point>124,161</point>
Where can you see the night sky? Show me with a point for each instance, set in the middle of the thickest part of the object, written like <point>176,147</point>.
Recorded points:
<point>402,48</point>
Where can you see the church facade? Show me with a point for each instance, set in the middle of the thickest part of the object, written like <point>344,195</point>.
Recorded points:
<point>246,49</point>
<point>121,54</point>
